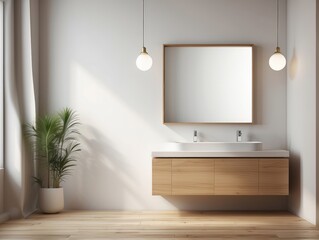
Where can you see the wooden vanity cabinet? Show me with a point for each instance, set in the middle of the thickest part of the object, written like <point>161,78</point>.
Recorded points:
<point>220,176</point>
<point>236,177</point>
<point>192,176</point>
<point>273,177</point>
<point>162,176</point>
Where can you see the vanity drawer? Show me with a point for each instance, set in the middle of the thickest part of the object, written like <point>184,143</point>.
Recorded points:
<point>192,176</point>
<point>273,177</point>
<point>236,177</point>
<point>162,177</point>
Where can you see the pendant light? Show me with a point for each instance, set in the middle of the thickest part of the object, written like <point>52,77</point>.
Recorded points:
<point>277,61</point>
<point>144,61</point>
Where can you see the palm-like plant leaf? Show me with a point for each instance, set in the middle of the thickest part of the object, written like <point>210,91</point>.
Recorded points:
<point>69,123</point>
<point>54,138</point>
<point>62,164</point>
<point>43,137</point>
<point>38,181</point>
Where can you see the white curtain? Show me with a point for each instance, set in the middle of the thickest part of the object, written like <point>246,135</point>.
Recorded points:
<point>20,103</point>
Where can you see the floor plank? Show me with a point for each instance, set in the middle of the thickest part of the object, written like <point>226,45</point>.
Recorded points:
<point>160,225</point>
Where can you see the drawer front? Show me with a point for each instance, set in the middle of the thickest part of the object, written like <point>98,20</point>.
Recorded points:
<point>161,176</point>
<point>236,177</point>
<point>192,177</point>
<point>273,177</point>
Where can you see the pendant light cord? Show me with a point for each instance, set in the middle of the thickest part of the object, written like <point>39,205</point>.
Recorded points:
<point>143,23</point>
<point>277,19</point>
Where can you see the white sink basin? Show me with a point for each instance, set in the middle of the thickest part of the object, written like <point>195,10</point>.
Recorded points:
<point>214,146</point>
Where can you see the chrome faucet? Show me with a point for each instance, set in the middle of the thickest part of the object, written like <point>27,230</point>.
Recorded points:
<point>195,136</point>
<point>239,135</point>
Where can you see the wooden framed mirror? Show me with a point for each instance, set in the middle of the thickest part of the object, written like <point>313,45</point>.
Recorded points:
<point>208,83</point>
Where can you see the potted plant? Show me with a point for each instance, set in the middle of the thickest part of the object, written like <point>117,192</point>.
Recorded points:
<point>55,142</point>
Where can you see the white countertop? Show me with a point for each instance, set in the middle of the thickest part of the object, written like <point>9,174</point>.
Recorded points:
<point>248,154</point>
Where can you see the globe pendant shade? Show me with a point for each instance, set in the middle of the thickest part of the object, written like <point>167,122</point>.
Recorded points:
<point>144,61</point>
<point>277,61</point>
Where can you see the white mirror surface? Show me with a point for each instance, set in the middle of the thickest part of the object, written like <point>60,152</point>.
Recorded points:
<point>208,83</point>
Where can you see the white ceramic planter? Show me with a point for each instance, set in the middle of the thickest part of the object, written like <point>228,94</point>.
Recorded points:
<point>51,200</point>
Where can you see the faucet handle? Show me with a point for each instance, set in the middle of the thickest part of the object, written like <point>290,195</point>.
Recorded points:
<point>239,135</point>
<point>195,136</point>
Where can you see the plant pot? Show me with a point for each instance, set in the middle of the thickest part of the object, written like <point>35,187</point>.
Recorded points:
<point>51,200</point>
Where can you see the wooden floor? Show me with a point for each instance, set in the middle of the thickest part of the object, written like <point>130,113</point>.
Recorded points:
<point>160,225</point>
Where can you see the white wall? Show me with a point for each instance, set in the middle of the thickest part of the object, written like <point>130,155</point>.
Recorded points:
<point>87,61</point>
<point>301,106</point>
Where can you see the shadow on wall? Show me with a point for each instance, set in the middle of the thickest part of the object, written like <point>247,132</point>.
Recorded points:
<point>293,65</point>
<point>294,181</point>
<point>225,203</point>
<point>102,179</point>
<point>257,88</point>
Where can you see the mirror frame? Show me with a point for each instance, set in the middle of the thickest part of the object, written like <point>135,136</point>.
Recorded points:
<point>209,45</point>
